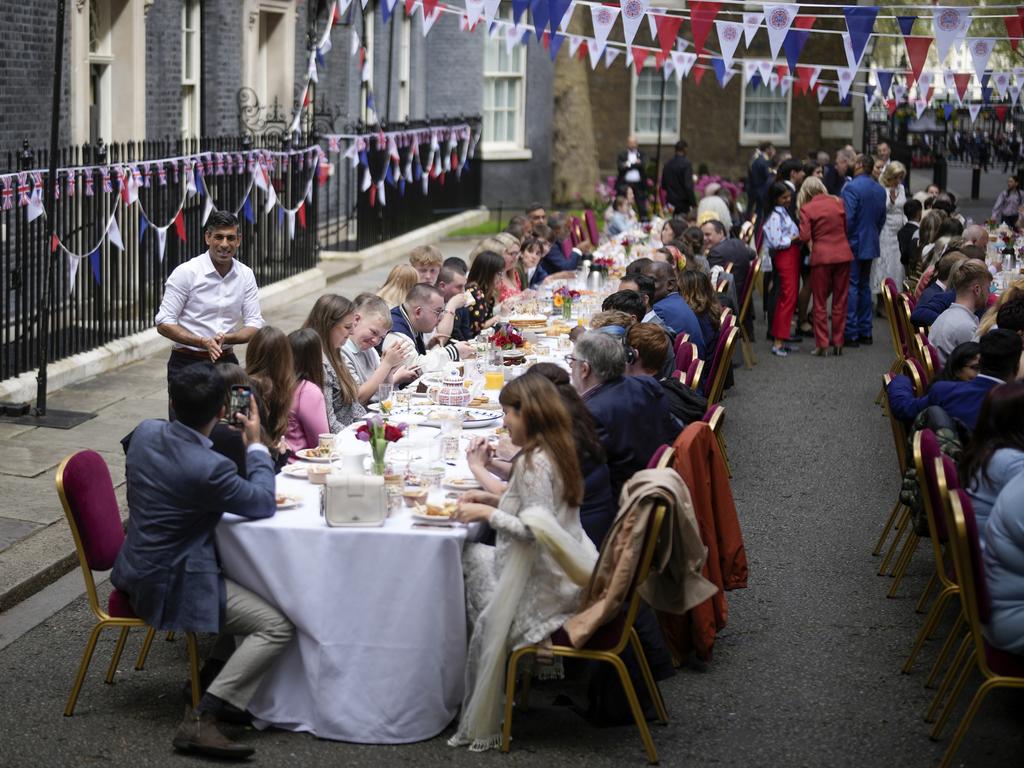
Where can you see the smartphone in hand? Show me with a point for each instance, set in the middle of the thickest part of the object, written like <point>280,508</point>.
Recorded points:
<point>238,402</point>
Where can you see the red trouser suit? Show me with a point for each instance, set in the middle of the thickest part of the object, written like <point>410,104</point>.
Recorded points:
<point>786,265</point>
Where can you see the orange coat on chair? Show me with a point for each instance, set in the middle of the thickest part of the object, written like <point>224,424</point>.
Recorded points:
<point>699,462</point>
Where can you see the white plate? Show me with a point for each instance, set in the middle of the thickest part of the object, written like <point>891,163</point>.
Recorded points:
<point>461,484</point>
<point>433,520</point>
<point>304,454</point>
<point>288,502</point>
<point>300,471</point>
<point>473,418</point>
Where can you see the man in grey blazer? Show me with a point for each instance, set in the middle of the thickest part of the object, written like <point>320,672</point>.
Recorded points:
<point>178,489</point>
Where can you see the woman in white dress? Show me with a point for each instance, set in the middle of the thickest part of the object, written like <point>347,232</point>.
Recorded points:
<point>888,265</point>
<point>526,586</point>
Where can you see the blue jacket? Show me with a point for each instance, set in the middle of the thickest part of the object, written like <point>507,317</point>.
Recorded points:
<point>931,306</point>
<point>632,419</point>
<point>557,261</point>
<point>960,399</point>
<point>539,276</point>
<point>677,315</point>
<point>864,200</point>
<point>1004,465</point>
<point>1004,568</point>
<point>400,324</point>
<point>178,488</point>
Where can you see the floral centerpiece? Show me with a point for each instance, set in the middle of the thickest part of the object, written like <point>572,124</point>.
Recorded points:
<point>507,338</point>
<point>602,263</point>
<point>378,433</point>
<point>627,245</point>
<point>563,298</point>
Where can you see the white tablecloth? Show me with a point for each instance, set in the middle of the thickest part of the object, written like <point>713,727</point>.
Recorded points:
<point>380,649</point>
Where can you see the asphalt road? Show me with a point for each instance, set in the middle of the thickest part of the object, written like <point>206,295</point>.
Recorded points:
<point>805,674</point>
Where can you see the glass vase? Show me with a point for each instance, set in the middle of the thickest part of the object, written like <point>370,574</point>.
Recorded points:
<point>567,309</point>
<point>379,448</point>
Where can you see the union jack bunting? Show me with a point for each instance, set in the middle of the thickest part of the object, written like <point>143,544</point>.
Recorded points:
<point>23,189</point>
<point>239,164</point>
<point>229,162</point>
<point>105,178</point>
<point>89,181</point>
<point>161,174</point>
<point>71,182</point>
<point>8,192</point>
<point>218,162</point>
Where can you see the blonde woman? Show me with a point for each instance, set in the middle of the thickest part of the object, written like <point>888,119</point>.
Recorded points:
<point>1013,293</point>
<point>888,264</point>
<point>513,278</point>
<point>399,282</point>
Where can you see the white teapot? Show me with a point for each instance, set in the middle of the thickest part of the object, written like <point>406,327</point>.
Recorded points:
<point>452,390</point>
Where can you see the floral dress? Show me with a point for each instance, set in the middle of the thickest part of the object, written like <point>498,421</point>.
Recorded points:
<point>481,311</point>
<point>506,291</point>
<point>888,265</point>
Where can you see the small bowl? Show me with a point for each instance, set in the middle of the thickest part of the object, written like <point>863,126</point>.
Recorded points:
<point>317,474</point>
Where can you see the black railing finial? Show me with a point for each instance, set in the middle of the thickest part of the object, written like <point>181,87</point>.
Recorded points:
<point>27,156</point>
<point>101,152</point>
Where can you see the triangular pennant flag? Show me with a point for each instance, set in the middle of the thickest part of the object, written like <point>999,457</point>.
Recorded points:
<point>720,70</point>
<point>629,57</point>
<point>73,261</point>
<point>652,20</point>
<point>247,210</point>
<point>900,92</point>
<point>161,242</point>
<point>974,109</point>
<point>539,12</point>
<point>518,9</point>
<point>822,93</point>
<point>698,74</point>
<point>764,68</point>
<point>143,226</point>
<point>890,107</point>
<point>179,225</point>
<point>491,10</point>
<point>947,110</point>
<point>860,22</point>
<point>639,57</point>
<point>1000,112</point>
<point>271,201</point>
<point>845,77</point>
<point>870,93</point>
<point>949,24</point>
<point>749,70</point>
<point>475,11</point>
<point>1001,81</point>
<point>1013,30</point>
<point>682,62</point>
<point>702,16</point>
<point>555,43</point>
<point>797,37</point>
<point>610,55</point>
<point>803,78</point>
<point>917,52</point>
<point>981,50</point>
<point>815,74</point>
<point>751,23</point>
<point>208,208</point>
<point>575,41</point>
<point>556,12</point>
<point>35,205</point>
<point>429,17</point>
<point>95,263</point>
<point>563,25</point>
<point>668,31</point>
<point>595,55</point>
<point>291,224</point>
<point>906,24</point>
<point>602,17</point>
<point>773,82</point>
<point>962,80</point>
<point>924,85</point>
<point>884,82</point>
<point>778,19</point>
<point>920,106</point>
<point>633,12</point>
<point>387,7</point>
<point>729,33</point>
<point>1014,94</point>
<point>114,234</point>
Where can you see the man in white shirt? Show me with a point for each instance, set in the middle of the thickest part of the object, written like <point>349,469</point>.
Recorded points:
<point>631,163</point>
<point>211,302</point>
<point>959,323</point>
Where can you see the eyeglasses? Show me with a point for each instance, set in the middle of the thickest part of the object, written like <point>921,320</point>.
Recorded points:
<point>570,359</point>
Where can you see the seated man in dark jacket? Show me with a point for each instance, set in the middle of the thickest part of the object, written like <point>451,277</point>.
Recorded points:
<point>939,294</point>
<point>178,489</point>
<point>630,412</point>
<point>651,345</point>
<point>723,250</point>
<point>1000,358</point>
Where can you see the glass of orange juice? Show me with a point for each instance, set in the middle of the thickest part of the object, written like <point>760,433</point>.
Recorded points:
<point>494,378</point>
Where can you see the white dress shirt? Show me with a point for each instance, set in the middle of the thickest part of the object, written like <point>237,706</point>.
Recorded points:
<point>202,302</point>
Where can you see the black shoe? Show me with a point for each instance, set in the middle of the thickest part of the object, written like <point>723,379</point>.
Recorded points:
<point>837,351</point>
<point>852,343</point>
<point>796,339</point>
<point>866,341</point>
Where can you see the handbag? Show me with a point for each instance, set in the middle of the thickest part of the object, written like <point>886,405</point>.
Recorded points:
<point>354,501</point>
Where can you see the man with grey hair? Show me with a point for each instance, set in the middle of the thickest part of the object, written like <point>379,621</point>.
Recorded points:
<point>975,234</point>
<point>838,174</point>
<point>631,413</point>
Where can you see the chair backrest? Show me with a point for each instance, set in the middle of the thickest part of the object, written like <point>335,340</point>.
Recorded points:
<point>567,247</point>
<point>576,230</point>
<point>727,319</point>
<point>693,374</point>
<point>913,370</point>
<point>665,459</point>
<point>747,289</point>
<point>87,494</point>
<point>926,450</point>
<point>591,219</point>
<point>905,327</point>
<point>685,354</point>
<point>720,368</point>
<point>652,462</point>
<point>932,360</point>
<point>899,433</point>
<point>889,294</point>
<point>713,417</point>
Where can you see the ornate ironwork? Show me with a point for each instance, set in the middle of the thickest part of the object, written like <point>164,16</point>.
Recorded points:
<point>254,119</point>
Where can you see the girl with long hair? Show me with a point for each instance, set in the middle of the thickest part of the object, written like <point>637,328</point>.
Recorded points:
<point>783,239</point>
<point>268,363</point>
<point>332,317</point>
<point>696,288</point>
<point>397,284</point>
<point>518,592</point>
<point>307,417</point>
<point>995,452</point>
<point>483,283</point>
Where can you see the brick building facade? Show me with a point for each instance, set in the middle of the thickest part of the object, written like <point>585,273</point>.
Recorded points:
<point>154,69</point>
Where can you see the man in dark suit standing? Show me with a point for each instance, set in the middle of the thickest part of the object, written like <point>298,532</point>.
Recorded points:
<point>837,175</point>
<point>758,178</point>
<point>178,489</point>
<point>677,181</point>
<point>910,232</point>
<point>631,164</point>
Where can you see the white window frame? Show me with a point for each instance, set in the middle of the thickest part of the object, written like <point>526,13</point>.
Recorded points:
<point>507,150</point>
<point>404,66</point>
<point>283,62</point>
<point>651,137</point>
<point>191,97</point>
<point>753,138</point>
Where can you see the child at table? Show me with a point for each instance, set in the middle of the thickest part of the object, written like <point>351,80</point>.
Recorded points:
<point>370,369</point>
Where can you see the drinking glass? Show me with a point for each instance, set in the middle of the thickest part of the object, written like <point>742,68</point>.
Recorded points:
<point>451,432</point>
<point>402,399</point>
<point>384,396</point>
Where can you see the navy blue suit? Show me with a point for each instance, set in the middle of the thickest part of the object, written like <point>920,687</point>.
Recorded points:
<point>864,200</point>
<point>933,302</point>
<point>539,276</point>
<point>960,399</point>
<point>557,261</point>
<point>677,315</point>
<point>178,488</point>
<point>632,418</point>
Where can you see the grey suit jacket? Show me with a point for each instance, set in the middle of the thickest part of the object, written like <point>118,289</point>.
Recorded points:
<point>178,488</point>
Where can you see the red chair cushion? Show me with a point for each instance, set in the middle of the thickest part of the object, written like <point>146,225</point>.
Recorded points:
<point>90,495</point>
<point>929,453</point>
<point>977,564</point>
<point>119,606</point>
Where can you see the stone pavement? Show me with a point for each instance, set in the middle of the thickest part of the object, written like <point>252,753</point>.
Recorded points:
<point>806,673</point>
<point>35,543</point>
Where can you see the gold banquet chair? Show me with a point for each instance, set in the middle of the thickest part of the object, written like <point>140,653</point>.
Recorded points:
<point>606,645</point>
<point>899,517</point>
<point>87,495</point>
<point>746,343</point>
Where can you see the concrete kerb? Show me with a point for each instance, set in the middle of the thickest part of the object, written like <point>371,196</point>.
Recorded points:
<point>334,265</point>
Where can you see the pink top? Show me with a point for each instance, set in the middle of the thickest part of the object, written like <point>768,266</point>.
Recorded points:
<point>307,418</point>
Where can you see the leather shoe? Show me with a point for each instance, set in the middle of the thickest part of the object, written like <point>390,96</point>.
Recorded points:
<point>867,341</point>
<point>198,732</point>
<point>852,343</point>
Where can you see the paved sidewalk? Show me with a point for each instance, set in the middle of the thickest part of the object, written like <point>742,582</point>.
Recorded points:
<point>35,542</point>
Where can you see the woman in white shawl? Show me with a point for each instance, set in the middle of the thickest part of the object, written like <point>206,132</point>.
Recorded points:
<point>526,586</point>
